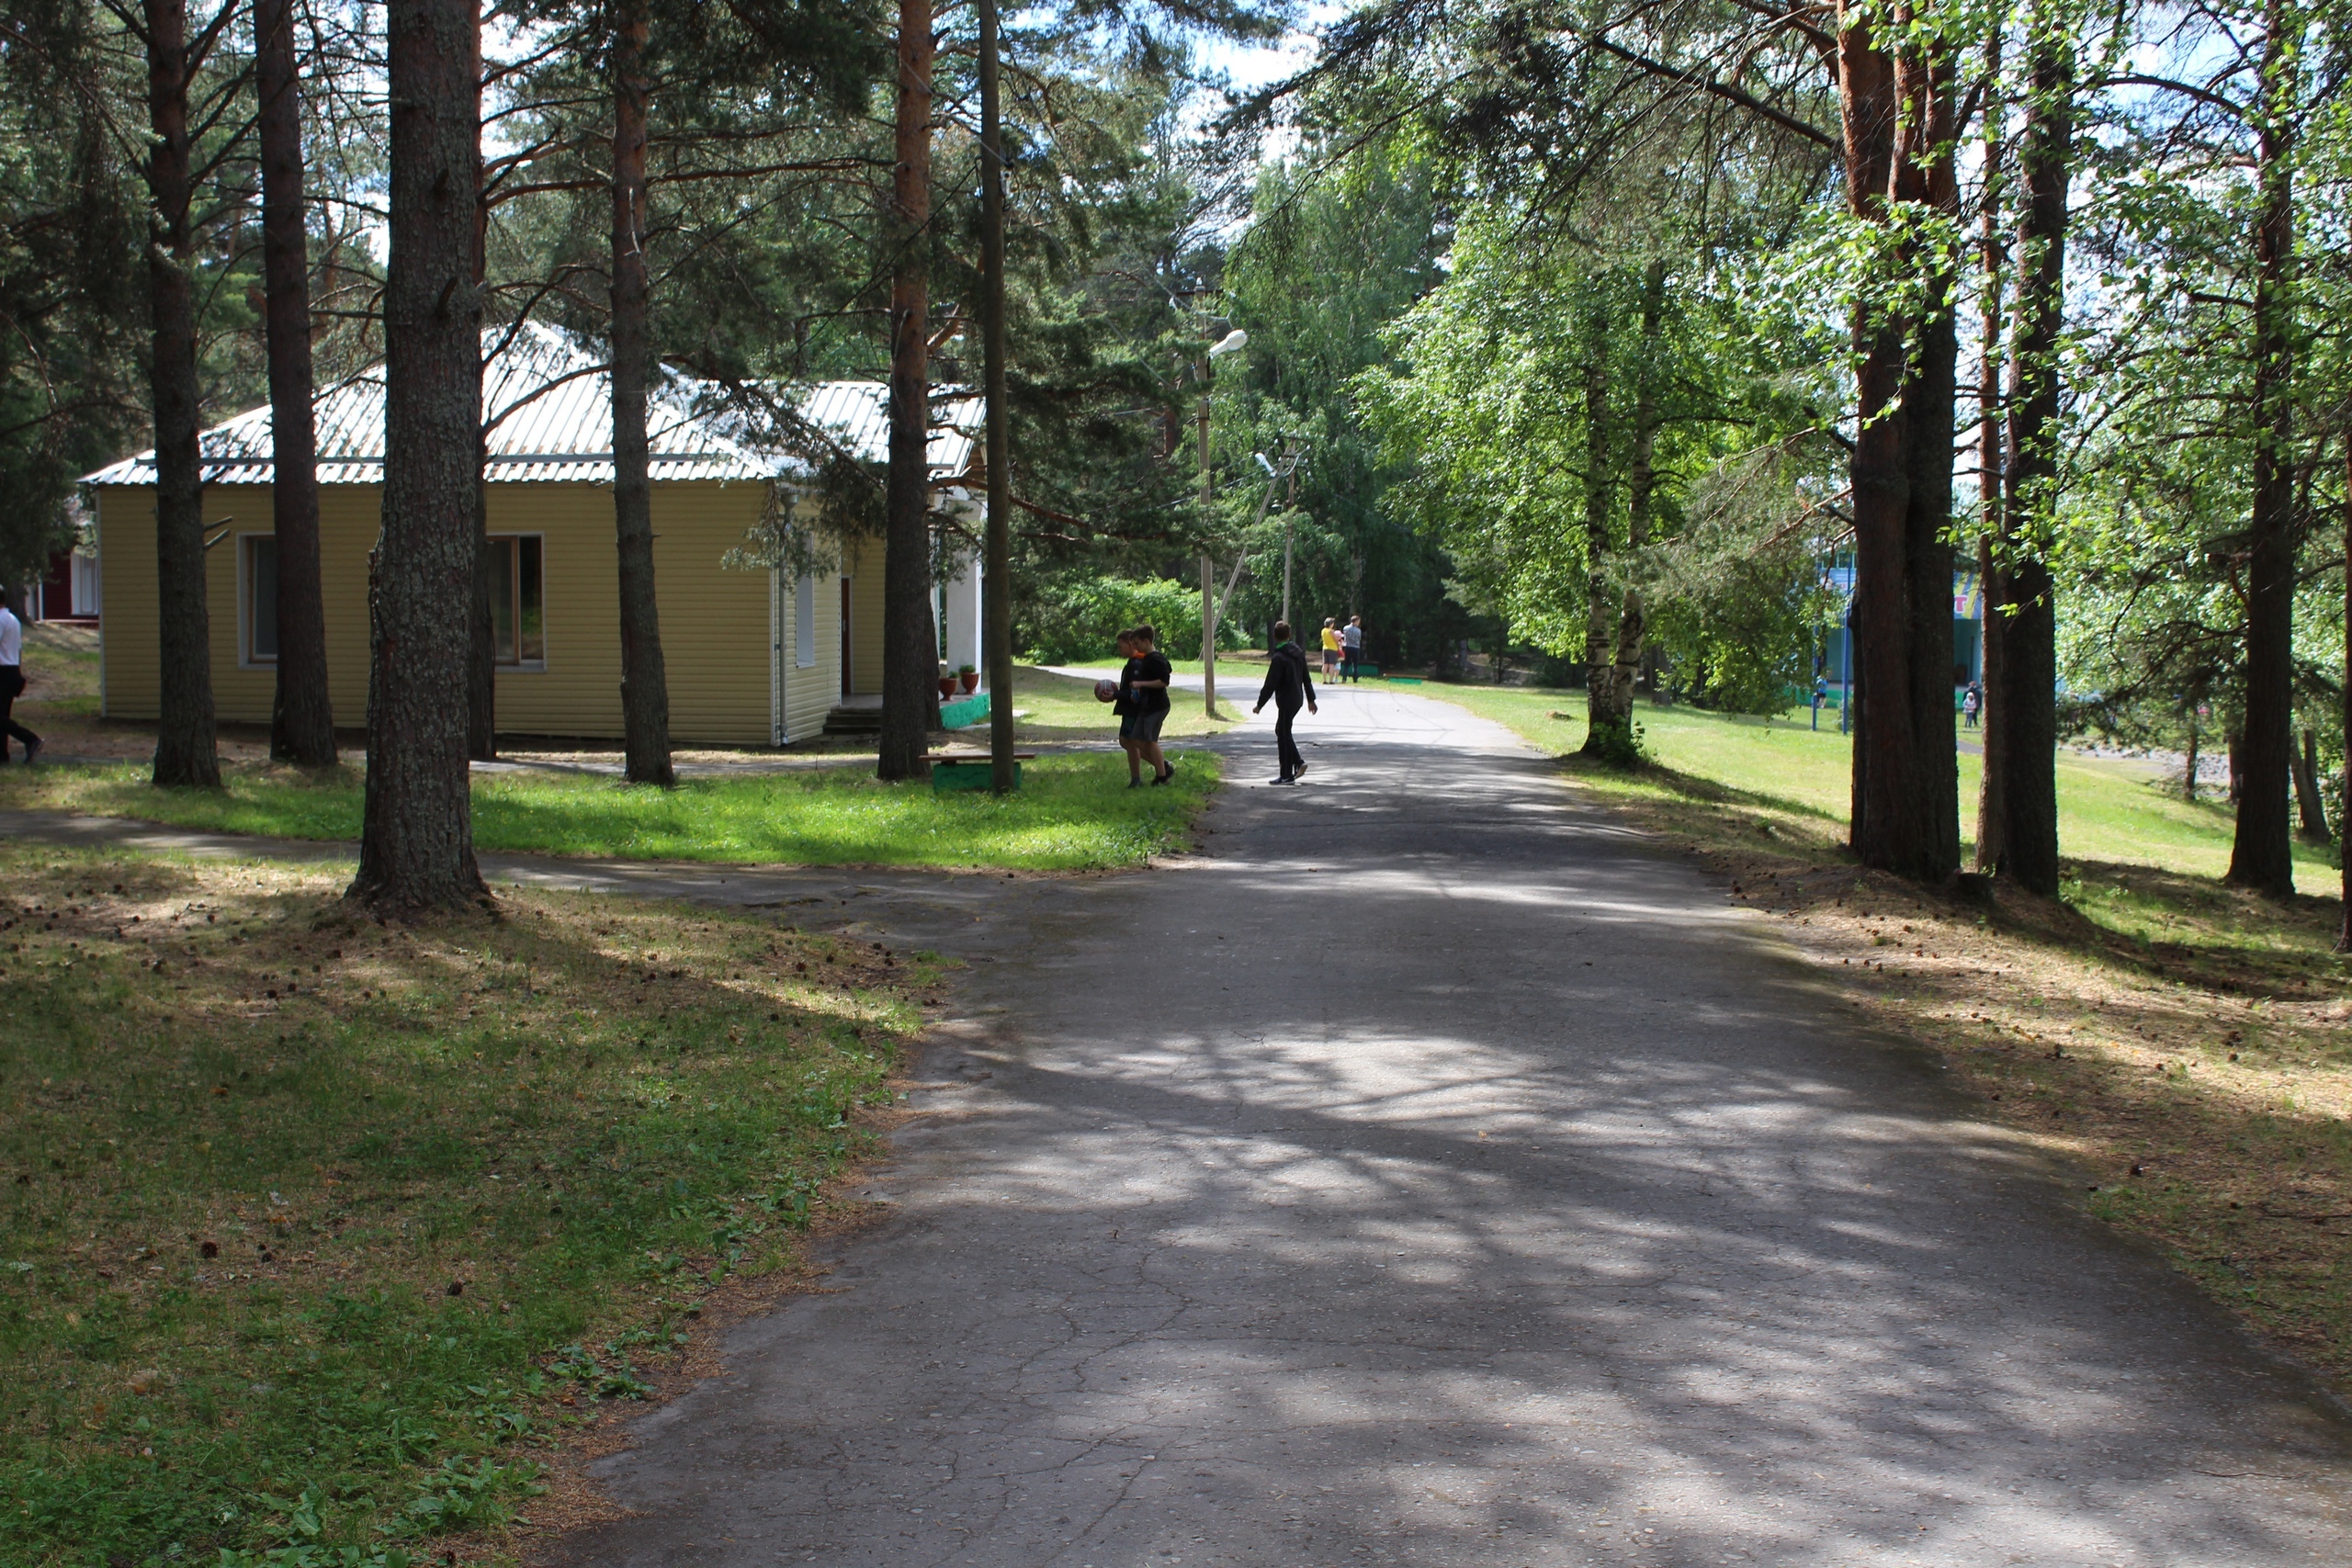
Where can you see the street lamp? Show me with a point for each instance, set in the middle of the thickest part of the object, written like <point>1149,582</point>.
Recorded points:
<point>1233,341</point>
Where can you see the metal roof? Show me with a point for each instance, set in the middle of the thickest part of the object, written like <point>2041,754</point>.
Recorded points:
<point>548,403</point>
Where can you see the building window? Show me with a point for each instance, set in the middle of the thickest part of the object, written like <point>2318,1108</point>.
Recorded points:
<point>804,622</point>
<point>517,600</point>
<point>261,599</point>
<point>86,585</point>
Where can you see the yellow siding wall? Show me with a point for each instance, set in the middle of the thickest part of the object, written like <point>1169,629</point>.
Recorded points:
<point>861,563</point>
<point>715,620</point>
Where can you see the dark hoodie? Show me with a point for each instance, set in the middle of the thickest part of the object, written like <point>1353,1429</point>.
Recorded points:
<point>1287,681</point>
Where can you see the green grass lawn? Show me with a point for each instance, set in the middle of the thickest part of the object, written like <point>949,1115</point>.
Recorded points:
<point>1072,813</point>
<point>1063,708</point>
<point>2107,811</point>
<point>322,1234</point>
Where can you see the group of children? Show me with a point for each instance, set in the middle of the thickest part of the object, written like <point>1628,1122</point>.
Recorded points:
<point>1342,649</point>
<point>1141,692</point>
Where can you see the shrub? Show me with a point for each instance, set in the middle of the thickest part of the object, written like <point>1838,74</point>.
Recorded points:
<point>1081,618</point>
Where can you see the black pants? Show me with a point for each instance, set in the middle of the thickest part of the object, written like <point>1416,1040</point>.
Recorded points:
<point>12,683</point>
<point>1347,663</point>
<point>1284,744</point>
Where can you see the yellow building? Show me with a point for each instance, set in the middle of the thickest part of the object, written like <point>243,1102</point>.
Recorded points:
<point>755,658</point>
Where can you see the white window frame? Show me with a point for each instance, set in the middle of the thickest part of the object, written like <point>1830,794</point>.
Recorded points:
<point>804,622</point>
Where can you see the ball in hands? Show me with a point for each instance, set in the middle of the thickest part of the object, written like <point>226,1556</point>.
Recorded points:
<point>1106,691</point>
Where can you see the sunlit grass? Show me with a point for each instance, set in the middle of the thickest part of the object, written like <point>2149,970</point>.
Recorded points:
<point>320,1232</point>
<point>1072,812</point>
<point>2108,810</point>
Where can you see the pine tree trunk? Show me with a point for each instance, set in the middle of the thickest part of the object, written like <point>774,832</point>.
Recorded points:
<point>2313,826</point>
<point>1991,626</point>
<point>1881,481</point>
<point>2189,767</point>
<point>2262,854</point>
<point>1897,114</point>
<point>2030,645</point>
<point>1600,634</point>
<point>187,751</point>
<point>996,583</point>
<point>2344,813</point>
<point>481,640</point>
<point>910,637</point>
<point>645,691</point>
<point>1641,486</point>
<point>416,847</point>
<point>301,719</point>
<point>1925,175</point>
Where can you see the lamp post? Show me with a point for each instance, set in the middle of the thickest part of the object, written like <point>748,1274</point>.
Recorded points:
<point>1231,342</point>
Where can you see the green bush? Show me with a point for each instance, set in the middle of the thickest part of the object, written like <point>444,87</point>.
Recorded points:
<point>1081,619</point>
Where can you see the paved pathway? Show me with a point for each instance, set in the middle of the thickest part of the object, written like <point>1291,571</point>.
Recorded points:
<point>1433,1175</point>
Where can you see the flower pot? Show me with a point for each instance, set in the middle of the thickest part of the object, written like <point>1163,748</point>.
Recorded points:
<point>947,686</point>
<point>971,681</point>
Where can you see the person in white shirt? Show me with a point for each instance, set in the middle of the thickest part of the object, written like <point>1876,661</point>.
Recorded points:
<point>12,685</point>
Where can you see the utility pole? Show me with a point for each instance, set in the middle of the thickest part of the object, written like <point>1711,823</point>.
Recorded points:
<point>1231,342</point>
<point>1208,566</point>
<point>996,581</point>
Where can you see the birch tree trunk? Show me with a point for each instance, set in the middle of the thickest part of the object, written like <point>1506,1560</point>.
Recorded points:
<point>301,724</point>
<point>644,691</point>
<point>909,636</point>
<point>1993,265</point>
<point>186,749</point>
<point>416,849</point>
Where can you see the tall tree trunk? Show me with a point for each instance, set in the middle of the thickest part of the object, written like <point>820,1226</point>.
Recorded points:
<point>1992,627</point>
<point>187,751</point>
<point>481,625</point>
<point>910,637</point>
<point>2308,805</point>
<point>2029,645</point>
<point>1882,762</point>
<point>1897,114</point>
<point>2343,811</point>
<point>301,724</point>
<point>1926,174</point>
<point>1599,634</point>
<point>996,583</point>
<point>1640,487</point>
<point>645,690</point>
<point>2262,854</point>
<point>2189,769</point>
<point>416,849</point>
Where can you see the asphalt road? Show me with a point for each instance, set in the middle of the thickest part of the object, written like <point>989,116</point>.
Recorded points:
<point>1434,1175</point>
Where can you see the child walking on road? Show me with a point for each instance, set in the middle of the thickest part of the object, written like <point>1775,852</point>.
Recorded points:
<point>1288,683</point>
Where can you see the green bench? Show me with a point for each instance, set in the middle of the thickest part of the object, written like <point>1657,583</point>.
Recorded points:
<point>970,770</point>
